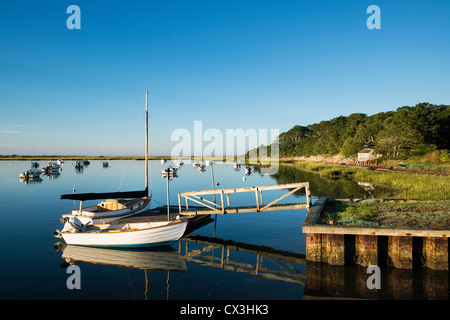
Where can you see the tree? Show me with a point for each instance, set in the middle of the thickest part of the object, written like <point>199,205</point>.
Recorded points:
<point>397,138</point>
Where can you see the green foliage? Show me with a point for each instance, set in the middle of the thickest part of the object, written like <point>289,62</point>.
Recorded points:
<point>426,214</point>
<point>395,185</point>
<point>439,157</point>
<point>396,134</point>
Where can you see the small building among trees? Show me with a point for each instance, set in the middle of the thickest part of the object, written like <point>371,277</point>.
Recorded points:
<point>366,155</point>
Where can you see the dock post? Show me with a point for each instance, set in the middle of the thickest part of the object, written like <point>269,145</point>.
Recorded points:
<point>333,249</point>
<point>435,252</point>
<point>308,196</point>
<point>257,200</point>
<point>400,252</point>
<point>366,250</point>
<point>221,199</point>
<point>314,247</point>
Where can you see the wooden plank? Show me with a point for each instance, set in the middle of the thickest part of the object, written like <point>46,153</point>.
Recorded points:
<point>308,196</point>
<point>221,199</point>
<point>327,229</point>
<point>280,198</point>
<point>246,189</point>
<point>202,199</point>
<point>203,204</point>
<point>195,194</point>
<point>290,206</point>
<point>314,213</point>
<point>257,200</point>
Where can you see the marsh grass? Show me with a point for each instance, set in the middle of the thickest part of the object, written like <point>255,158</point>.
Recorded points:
<point>396,184</point>
<point>425,214</point>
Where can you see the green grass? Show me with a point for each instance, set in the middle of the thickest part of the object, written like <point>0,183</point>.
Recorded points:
<point>398,185</point>
<point>427,214</point>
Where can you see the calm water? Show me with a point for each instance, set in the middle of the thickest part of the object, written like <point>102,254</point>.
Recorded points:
<point>266,260</point>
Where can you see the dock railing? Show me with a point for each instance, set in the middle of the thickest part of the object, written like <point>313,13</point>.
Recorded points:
<point>222,208</point>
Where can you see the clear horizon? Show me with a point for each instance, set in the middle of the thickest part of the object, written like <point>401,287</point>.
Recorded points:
<point>232,65</point>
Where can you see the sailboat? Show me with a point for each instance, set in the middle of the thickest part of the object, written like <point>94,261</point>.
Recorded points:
<point>117,205</point>
<point>93,226</point>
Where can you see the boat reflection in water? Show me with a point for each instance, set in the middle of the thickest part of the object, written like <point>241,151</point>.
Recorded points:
<point>147,259</point>
<point>161,259</point>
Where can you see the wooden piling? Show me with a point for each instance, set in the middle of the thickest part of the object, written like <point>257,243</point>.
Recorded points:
<point>435,252</point>
<point>333,249</point>
<point>400,251</point>
<point>314,247</point>
<point>366,250</point>
<point>399,248</point>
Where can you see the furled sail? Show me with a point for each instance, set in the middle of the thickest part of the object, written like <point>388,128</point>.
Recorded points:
<point>106,195</point>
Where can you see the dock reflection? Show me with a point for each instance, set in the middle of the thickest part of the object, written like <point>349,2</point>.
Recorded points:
<point>258,260</point>
<point>318,280</point>
<point>325,281</point>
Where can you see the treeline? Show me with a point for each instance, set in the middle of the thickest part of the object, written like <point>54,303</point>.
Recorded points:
<point>395,134</point>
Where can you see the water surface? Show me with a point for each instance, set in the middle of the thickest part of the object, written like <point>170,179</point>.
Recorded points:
<point>237,256</point>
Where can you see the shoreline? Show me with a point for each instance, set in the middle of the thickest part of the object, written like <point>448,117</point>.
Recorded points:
<point>391,166</point>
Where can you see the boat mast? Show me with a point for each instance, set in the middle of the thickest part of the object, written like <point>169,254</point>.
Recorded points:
<point>146,141</point>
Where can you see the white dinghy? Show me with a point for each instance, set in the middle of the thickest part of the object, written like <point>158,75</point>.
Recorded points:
<point>140,234</point>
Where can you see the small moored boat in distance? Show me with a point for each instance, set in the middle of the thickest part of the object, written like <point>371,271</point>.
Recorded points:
<point>52,168</point>
<point>30,174</point>
<point>249,170</point>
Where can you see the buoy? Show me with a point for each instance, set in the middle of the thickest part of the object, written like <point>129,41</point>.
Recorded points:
<point>243,178</point>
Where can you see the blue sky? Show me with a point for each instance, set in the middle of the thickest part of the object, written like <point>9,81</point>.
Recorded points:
<point>230,64</point>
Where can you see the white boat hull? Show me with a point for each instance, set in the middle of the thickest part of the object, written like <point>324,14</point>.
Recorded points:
<point>146,235</point>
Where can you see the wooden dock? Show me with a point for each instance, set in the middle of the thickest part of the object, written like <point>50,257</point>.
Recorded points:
<point>160,214</point>
<point>210,207</point>
<point>399,248</point>
<point>198,215</point>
